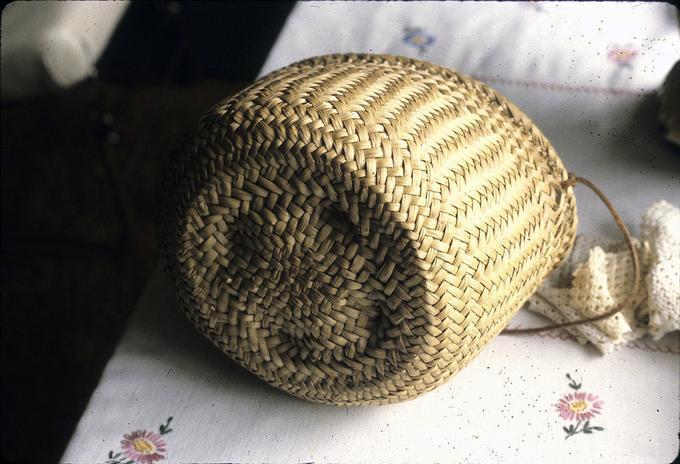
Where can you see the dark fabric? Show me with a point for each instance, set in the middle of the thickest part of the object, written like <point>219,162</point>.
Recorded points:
<point>79,171</point>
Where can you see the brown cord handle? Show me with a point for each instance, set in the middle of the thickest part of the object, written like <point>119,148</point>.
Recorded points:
<point>571,181</point>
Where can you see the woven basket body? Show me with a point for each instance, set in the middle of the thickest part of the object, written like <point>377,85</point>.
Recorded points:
<point>355,228</point>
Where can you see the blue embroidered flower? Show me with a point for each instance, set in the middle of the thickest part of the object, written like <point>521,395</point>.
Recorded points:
<point>417,37</point>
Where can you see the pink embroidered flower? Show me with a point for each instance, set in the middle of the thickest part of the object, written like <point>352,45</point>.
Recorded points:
<point>143,447</point>
<point>622,55</point>
<point>579,406</point>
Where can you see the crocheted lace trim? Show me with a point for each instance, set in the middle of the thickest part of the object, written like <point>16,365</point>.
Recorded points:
<point>598,275</point>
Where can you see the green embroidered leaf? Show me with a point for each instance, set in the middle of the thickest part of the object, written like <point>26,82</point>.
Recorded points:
<point>565,429</point>
<point>597,428</point>
<point>573,384</point>
<point>165,428</point>
<point>585,426</point>
<point>587,431</point>
<point>110,454</point>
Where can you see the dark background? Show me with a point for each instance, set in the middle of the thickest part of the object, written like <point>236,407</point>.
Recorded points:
<point>79,173</point>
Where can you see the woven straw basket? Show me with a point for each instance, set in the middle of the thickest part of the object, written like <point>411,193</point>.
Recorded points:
<point>355,228</point>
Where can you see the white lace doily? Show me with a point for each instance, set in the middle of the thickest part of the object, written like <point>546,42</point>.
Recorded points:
<point>598,275</point>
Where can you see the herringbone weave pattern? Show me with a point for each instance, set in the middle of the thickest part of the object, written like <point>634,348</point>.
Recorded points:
<point>355,228</point>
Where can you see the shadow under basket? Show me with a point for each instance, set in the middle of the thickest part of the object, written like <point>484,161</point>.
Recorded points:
<point>354,229</point>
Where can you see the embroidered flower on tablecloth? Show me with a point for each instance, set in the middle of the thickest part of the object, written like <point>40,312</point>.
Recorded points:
<point>142,446</point>
<point>417,37</point>
<point>580,406</point>
<point>623,55</point>
<point>534,5</point>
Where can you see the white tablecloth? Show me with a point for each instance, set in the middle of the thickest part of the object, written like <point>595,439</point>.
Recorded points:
<point>583,73</point>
